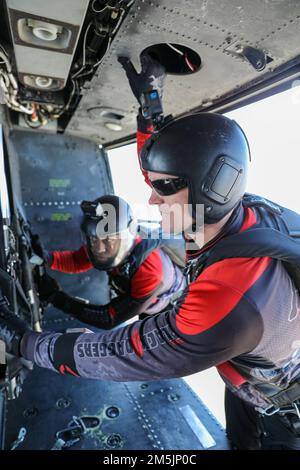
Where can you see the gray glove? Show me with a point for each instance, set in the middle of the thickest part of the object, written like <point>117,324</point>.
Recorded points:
<point>151,77</point>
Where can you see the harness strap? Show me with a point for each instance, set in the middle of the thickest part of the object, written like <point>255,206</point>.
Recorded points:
<point>257,242</point>
<point>139,254</point>
<point>287,396</point>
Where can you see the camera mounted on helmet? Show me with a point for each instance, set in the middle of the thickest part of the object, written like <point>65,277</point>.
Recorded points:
<point>151,108</point>
<point>109,228</point>
<point>89,208</point>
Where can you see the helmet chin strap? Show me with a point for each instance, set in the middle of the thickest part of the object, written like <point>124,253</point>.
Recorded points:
<point>196,227</point>
<point>194,238</point>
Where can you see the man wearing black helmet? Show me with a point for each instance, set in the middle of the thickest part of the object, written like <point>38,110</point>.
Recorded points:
<point>142,275</point>
<point>240,306</point>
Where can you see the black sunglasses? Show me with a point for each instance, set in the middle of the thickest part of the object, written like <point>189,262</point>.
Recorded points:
<point>168,186</point>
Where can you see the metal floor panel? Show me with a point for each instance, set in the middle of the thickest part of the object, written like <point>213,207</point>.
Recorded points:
<point>164,414</point>
<point>161,414</point>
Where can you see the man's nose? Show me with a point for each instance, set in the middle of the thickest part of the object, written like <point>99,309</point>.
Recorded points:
<point>155,198</point>
<point>101,246</point>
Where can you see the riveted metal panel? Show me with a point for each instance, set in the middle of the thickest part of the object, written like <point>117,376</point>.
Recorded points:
<point>215,30</point>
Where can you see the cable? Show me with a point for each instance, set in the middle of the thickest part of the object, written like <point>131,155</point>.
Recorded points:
<point>66,107</point>
<point>9,86</point>
<point>78,73</point>
<point>30,123</point>
<point>108,7</point>
<point>71,96</point>
<point>110,38</point>
<point>175,48</point>
<point>119,21</point>
<point>4,50</point>
<point>191,66</point>
<point>106,50</point>
<point>6,61</point>
<point>96,63</point>
<point>122,11</point>
<point>83,51</point>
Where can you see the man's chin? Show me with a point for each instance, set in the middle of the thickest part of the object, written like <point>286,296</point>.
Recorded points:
<point>168,229</point>
<point>104,259</point>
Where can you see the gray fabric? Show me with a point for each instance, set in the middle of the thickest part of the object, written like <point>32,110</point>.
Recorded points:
<point>35,346</point>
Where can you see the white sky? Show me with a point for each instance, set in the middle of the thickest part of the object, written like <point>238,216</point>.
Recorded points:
<point>129,182</point>
<point>272,128</point>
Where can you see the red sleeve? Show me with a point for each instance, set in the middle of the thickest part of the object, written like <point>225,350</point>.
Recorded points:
<point>218,291</point>
<point>71,261</point>
<point>148,276</point>
<point>142,137</point>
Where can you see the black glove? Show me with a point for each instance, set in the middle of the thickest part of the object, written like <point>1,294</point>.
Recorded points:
<point>151,77</point>
<point>40,250</point>
<point>12,329</point>
<point>48,287</point>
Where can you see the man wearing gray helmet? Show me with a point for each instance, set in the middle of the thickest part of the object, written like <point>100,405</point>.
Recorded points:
<point>143,277</point>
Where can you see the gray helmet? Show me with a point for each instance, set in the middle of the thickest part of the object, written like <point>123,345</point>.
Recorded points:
<point>208,150</point>
<point>110,231</point>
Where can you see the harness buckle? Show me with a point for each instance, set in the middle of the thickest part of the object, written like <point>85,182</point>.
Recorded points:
<point>297,409</point>
<point>271,410</point>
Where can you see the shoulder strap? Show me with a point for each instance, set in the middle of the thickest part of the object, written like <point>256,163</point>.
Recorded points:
<point>138,255</point>
<point>258,242</point>
<point>174,247</point>
<point>282,244</point>
<point>252,200</point>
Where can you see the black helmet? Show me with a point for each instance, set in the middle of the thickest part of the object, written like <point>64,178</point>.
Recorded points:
<point>110,230</point>
<point>208,150</point>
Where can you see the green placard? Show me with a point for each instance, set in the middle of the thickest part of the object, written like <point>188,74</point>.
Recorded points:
<point>61,216</point>
<point>59,183</point>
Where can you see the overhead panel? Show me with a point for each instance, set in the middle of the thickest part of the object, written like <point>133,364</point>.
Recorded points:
<point>45,34</point>
<point>240,44</point>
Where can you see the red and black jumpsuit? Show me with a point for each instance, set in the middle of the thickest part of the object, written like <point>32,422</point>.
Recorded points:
<point>238,307</point>
<point>151,288</point>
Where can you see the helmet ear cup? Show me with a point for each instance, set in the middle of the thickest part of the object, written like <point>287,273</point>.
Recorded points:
<point>222,180</point>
